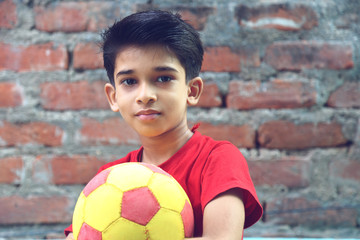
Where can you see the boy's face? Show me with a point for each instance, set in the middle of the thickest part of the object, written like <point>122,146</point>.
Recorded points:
<point>150,91</point>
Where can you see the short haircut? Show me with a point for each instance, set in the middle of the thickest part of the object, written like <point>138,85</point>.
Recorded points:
<point>154,27</point>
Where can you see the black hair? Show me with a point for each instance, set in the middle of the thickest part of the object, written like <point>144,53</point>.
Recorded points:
<point>154,27</point>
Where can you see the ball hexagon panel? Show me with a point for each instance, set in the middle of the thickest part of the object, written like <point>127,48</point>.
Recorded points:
<point>168,192</point>
<point>165,225</point>
<point>100,215</point>
<point>119,176</point>
<point>123,229</point>
<point>139,205</point>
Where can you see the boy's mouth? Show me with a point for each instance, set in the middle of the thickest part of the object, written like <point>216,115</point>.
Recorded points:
<point>147,114</point>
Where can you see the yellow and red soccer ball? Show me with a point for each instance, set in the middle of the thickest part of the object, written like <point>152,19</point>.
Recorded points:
<point>133,201</point>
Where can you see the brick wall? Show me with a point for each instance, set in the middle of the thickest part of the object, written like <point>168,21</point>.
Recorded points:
<point>282,82</point>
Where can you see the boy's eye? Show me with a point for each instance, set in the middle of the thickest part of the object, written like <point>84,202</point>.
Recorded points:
<point>164,79</point>
<point>128,81</point>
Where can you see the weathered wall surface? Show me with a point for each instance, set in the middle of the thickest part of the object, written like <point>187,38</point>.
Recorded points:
<point>282,83</point>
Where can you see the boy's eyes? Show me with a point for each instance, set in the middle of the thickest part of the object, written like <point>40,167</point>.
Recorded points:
<point>128,81</point>
<point>164,79</point>
<point>131,81</point>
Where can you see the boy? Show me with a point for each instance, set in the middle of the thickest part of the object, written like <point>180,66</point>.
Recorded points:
<point>153,60</point>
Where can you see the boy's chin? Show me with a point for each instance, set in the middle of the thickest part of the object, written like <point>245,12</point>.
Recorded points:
<point>150,133</point>
<point>158,130</point>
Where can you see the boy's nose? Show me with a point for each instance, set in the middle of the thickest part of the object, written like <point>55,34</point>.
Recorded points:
<point>146,94</point>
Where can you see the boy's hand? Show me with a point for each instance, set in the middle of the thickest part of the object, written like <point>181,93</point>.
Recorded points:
<point>70,237</point>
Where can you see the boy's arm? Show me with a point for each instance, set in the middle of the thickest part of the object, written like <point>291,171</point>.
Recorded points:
<point>224,217</point>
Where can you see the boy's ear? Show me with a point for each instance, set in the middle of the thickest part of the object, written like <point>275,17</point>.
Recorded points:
<point>110,93</point>
<point>195,88</point>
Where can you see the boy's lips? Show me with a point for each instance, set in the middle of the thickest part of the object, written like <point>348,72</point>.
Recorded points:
<point>147,114</point>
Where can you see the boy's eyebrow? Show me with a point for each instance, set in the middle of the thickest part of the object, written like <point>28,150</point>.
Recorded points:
<point>164,69</point>
<point>124,72</point>
<point>157,69</point>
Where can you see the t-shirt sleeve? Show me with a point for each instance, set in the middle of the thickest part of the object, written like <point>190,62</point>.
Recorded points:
<point>68,230</point>
<point>225,169</point>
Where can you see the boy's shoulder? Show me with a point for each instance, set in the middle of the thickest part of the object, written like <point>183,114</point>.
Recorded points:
<point>208,142</point>
<point>203,148</point>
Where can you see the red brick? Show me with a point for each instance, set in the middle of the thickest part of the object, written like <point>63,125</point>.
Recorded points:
<point>76,16</point>
<point>293,172</point>
<point>57,170</point>
<point>111,131</point>
<point>34,209</point>
<point>275,94</point>
<point>224,59</point>
<point>346,169</point>
<point>73,95</point>
<point>241,136</point>
<point>11,170</point>
<point>221,59</point>
<point>38,57</point>
<point>196,16</point>
<point>299,55</point>
<point>210,97</point>
<point>87,56</point>
<point>287,135</point>
<point>10,95</point>
<point>346,96</point>
<point>301,211</point>
<point>66,17</point>
<point>277,16</point>
<point>8,15</point>
<point>38,133</point>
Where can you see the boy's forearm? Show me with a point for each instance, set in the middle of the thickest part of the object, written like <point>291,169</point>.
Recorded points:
<point>224,217</point>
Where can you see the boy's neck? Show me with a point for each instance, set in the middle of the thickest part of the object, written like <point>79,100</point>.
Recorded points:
<point>159,149</point>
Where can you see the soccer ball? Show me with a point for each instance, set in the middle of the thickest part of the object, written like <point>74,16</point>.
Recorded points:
<point>133,201</point>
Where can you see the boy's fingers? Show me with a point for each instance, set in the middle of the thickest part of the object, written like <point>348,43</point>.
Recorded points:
<point>70,237</point>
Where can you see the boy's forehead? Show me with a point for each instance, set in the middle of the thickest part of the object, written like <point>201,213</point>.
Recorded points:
<point>152,51</point>
<point>134,58</point>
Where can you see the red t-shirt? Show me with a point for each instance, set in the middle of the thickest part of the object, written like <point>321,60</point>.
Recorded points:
<point>205,168</point>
